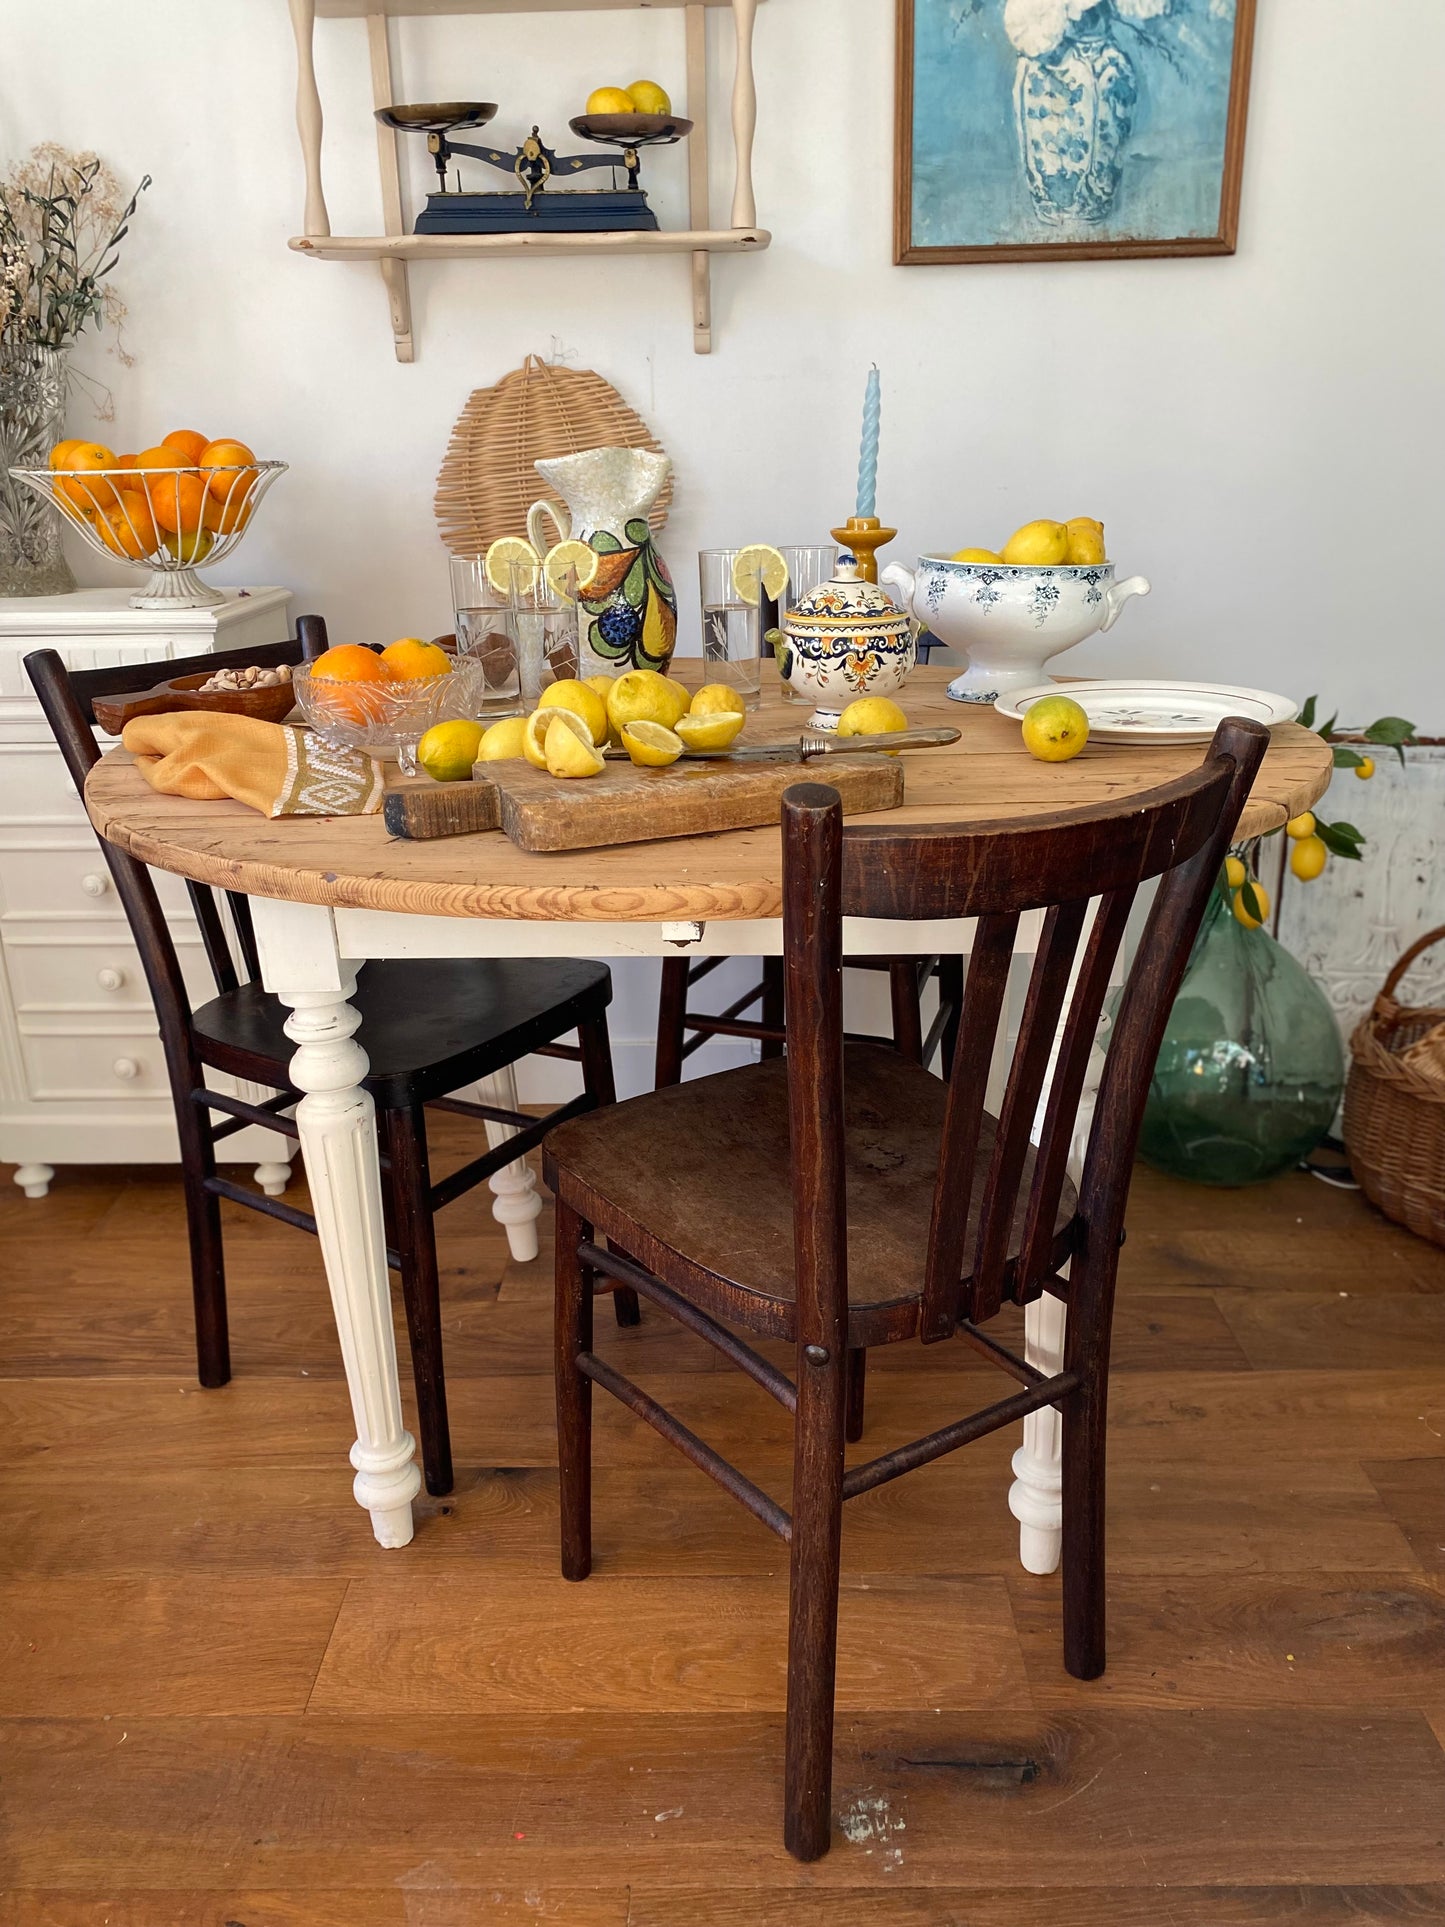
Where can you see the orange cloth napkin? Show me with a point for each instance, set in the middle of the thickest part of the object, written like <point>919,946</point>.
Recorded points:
<point>271,767</point>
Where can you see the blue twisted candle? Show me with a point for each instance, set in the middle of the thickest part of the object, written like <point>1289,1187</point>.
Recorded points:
<point>868,454</point>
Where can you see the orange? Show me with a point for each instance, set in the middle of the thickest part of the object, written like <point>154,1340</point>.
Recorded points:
<point>187,443</point>
<point>412,660</point>
<point>159,457</point>
<point>60,454</point>
<point>82,456</point>
<point>233,513</point>
<point>177,501</point>
<point>349,662</point>
<point>226,454</point>
<point>130,531</point>
<point>131,482</point>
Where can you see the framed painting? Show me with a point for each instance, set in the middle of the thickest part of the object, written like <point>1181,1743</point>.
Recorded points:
<point>1037,130</point>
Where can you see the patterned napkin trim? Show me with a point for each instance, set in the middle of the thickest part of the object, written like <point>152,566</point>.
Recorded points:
<point>326,782</point>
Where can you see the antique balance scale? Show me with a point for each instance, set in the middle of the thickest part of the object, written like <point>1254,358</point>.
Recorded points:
<point>534,166</point>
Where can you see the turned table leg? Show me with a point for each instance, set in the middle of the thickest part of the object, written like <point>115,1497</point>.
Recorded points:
<point>34,1179</point>
<point>517,1206</point>
<point>1036,1496</point>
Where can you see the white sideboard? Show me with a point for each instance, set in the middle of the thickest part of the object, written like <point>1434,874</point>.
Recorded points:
<point>82,1075</point>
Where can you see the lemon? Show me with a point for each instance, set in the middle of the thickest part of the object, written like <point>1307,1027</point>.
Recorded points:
<point>681,691</point>
<point>1055,728</point>
<point>566,752</point>
<point>602,684</point>
<point>716,699</point>
<point>975,555</point>
<point>563,560</point>
<point>642,696</point>
<point>1301,825</point>
<point>871,716</point>
<point>648,98</point>
<point>651,744</point>
<point>1037,545</point>
<point>536,727</point>
<point>1241,910</point>
<point>1365,768</point>
<point>582,701</point>
<point>1086,541</point>
<point>511,564</point>
<point>610,100</point>
<point>715,729</point>
<point>759,561</point>
<point>448,750</point>
<point>503,740</point>
<point>1308,857</point>
<point>1234,872</point>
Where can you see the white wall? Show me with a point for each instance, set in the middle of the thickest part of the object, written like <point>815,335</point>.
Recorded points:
<point>1261,433</point>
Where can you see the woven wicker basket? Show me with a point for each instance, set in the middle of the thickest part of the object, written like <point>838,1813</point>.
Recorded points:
<point>1395,1107</point>
<point>487,481</point>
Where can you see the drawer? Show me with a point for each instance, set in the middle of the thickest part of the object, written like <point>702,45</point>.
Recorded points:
<point>35,786</point>
<point>42,880</point>
<point>99,972</point>
<point>72,1065</point>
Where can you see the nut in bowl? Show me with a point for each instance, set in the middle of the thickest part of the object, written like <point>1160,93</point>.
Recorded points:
<point>387,716</point>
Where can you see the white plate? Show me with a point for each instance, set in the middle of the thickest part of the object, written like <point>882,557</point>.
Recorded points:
<point>1156,712</point>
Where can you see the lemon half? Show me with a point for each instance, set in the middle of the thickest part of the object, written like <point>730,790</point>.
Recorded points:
<point>714,731</point>
<point>534,735</point>
<point>582,701</point>
<point>567,753</point>
<point>651,745</point>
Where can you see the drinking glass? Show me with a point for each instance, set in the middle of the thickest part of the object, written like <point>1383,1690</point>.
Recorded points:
<point>483,617</point>
<point>732,626</point>
<point>543,625</point>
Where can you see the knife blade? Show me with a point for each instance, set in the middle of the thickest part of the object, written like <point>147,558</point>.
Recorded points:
<point>813,743</point>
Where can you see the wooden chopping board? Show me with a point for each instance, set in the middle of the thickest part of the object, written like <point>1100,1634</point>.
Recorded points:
<point>624,804</point>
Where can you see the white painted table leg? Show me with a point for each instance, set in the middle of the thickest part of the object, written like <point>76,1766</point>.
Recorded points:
<point>34,1179</point>
<point>1036,1496</point>
<point>516,1205</point>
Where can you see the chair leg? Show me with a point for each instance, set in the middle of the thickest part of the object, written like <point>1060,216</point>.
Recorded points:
<point>573,1334</point>
<point>950,992</point>
<point>773,1010</point>
<point>1085,1424</point>
<point>208,1265</point>
<point>903,992</point>
<point>671,1015</point>
<point>857,1377</point>
<point>813,1602</point>
<point>415,1233</point>
<point>598,1083</point>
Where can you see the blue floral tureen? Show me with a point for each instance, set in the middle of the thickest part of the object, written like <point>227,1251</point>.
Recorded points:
<point>847,639</point>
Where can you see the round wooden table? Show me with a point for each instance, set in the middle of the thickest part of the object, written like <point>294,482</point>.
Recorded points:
<point>330,893</point>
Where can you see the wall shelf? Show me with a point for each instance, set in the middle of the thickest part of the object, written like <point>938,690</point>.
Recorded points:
<point>397,247</point>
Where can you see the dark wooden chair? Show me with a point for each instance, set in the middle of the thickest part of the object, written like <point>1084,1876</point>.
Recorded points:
<point>845,1197</point>
<point>428,1028</point>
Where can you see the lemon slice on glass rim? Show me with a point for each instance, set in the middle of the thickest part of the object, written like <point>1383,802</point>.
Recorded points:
<point>652,745</point>
<point>512,563</point>
<point>539,723</point>
<point>566,558</point>
<point>759,562</point>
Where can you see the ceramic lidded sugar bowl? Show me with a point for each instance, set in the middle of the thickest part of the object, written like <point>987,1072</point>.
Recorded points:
<point>847,639</point>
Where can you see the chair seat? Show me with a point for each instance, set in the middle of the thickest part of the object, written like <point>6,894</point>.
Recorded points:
<point>693,1181</point>
<point>426,1027</point>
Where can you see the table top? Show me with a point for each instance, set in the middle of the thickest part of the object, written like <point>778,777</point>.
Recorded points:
<point>351,861</point>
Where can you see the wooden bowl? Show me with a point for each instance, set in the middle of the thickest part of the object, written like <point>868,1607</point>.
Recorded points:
<point>270,705</point>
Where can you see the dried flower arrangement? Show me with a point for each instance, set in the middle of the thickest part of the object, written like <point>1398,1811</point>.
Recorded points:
<point>61,225</point>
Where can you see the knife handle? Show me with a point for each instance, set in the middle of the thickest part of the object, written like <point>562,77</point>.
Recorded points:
<point>815,743</point>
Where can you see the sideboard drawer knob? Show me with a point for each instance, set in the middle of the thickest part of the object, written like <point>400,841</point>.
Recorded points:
<point>110,978</point>
<point>94,883</point>
<point>126,1068</point>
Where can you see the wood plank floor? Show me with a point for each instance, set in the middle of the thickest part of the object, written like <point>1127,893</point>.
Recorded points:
<point>221,1705</point>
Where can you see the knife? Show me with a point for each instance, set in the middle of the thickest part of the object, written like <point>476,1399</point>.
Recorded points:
<point>813,743</point>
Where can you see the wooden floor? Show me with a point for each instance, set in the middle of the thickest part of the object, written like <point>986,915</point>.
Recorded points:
<point>224,1706</point>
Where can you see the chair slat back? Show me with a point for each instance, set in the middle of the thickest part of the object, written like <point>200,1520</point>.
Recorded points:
<point>1062,864</point>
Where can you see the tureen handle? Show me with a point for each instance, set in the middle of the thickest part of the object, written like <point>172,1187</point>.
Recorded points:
<point>1118,593</point>
<point>897,577</point>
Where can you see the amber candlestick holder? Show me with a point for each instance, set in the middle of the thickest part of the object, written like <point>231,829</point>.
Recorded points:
<point>864,535</point>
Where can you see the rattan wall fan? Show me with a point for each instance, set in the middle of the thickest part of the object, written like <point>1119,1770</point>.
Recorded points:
<point>487,481</point>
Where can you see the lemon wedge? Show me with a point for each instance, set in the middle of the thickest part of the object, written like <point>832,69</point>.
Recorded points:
<point>567,753</point>
<point>566,558</point>
<point>651,744</point>
<point>759,561</point>
<point>538,724</point>
<point>582,701</point>
<point>512,564</point>
<point>714,731</point>
<point>503,740</point>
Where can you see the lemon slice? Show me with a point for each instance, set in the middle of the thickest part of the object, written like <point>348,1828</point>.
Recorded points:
<point>759,559</point>
<point>564,557</point>
<point>713,731</point>
<point>534,736</point>
<point>567,753</point>
<point>651,744</point>
<point>512,564</point>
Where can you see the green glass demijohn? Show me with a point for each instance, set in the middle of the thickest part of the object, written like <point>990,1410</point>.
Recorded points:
<point>1251,1069</point>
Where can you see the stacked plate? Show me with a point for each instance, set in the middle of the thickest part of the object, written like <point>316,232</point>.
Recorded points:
<point>1156,712</point>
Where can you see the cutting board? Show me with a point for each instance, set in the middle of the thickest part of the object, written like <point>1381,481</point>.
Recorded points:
<point>623,804</point>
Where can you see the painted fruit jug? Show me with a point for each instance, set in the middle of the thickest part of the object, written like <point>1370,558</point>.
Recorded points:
<point>627,612</point>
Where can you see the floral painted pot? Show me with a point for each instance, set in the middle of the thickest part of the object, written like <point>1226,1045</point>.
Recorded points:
<point>845,640</point>
<point>1008,620</point>
<point>628,613</point>
<point>1075,110</point>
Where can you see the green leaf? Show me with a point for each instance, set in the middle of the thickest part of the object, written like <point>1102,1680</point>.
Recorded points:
<point>1348,829</point>
<point>634,583</point>
<point>637,531</point>
<point>1251,901</point>
<point>604,541</point>
<point>1392,730</point>
<point>1340,839</point>
<point>1327,730</point>
<point>1307,714</point>
<point>1346,758</point>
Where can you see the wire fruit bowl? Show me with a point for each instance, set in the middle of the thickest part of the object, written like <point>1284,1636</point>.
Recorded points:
<point>388,719</point>
<point>170,519</point>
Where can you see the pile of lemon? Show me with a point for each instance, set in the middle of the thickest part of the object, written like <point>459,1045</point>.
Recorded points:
<point>653,717</point>
<point>1046,545</point>
<point>641,97</point>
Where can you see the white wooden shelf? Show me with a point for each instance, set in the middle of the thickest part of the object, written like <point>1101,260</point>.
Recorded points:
<point>396,248</point>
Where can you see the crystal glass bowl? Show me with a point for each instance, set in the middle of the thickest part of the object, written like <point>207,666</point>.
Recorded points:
<point>169,519</point>
<point>388,719</point>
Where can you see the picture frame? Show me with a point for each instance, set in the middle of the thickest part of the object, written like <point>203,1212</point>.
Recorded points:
<point>1055,130</point>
